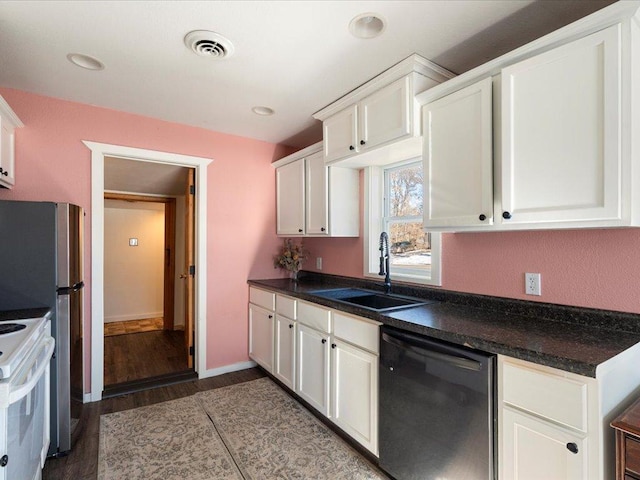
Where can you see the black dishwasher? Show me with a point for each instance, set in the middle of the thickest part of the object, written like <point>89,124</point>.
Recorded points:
<point>437,409</point>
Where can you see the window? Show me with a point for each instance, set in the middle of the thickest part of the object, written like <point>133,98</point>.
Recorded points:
<point>393,203</point>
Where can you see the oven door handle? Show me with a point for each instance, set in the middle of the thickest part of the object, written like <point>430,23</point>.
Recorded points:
<point>22,390</point>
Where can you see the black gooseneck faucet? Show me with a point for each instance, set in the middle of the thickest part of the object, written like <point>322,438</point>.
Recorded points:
<point>384,261</point>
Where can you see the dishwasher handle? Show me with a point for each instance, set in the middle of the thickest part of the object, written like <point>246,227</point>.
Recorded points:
<point>431,350</point>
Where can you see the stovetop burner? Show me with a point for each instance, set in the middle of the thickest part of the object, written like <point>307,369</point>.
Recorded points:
<point>11,327</point>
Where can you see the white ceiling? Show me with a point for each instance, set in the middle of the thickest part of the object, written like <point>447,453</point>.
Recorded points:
<point>293,56</point>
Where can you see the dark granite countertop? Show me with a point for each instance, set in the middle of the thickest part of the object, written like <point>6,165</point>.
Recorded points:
<point>21,314</point>
<point>568,338</point>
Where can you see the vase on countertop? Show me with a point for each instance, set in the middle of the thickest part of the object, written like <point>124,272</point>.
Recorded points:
<point>293,275</point>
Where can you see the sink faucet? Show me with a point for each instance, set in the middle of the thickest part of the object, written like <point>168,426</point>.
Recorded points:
<point>384,261</point>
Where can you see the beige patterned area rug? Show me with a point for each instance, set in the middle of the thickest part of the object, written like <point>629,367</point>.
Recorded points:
<point>248,431</point>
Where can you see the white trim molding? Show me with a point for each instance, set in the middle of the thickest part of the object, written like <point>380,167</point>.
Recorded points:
<point>235,367</point>
<point>98,152</point>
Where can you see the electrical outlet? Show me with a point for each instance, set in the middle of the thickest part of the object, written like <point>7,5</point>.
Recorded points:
<point>532,284</point>
<point>319,263</point>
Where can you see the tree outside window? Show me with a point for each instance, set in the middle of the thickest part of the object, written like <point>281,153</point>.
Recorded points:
<point>410,246</point>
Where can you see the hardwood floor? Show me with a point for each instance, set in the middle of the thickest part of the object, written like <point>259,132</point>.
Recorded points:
<point>139,356</point>
<point>82,461</point>
<point>133,326</point>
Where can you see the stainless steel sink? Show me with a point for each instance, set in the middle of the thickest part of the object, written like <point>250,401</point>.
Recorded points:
<point>369,299</point>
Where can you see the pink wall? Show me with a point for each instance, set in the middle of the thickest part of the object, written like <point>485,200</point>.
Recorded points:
<point>586,268</point>
<point>52,164</point>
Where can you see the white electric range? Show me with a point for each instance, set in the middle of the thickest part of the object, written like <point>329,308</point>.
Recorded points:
<point>26,348</point>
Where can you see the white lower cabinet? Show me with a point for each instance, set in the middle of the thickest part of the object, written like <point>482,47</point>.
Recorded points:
<point>534,449</point>
<point>313,367</point>
<point>354,392</point>
<point>328,358</point>
<point>285,349</point>
<point>261,336</point>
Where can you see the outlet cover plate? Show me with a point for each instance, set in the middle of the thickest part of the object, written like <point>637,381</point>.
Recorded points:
<point>532,284</point>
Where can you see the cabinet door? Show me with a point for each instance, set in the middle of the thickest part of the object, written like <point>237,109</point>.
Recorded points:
<point>284,367</point>
<point>339,134</point>
<point>313,368</point>
<point>317,193</point>
<point>354,387</point>
<point>385,115</point>
<point>561,156</point>
<point>533,449</point>
<point>7,161</point>
<point>290,198</point>
<point>261,336</point>
<point>458,158</point>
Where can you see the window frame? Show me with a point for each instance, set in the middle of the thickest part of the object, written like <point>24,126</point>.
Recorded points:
<point>374,217</point>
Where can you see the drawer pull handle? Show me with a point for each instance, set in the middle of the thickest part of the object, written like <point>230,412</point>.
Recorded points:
<point>270,316</point>
<point>572,447</point>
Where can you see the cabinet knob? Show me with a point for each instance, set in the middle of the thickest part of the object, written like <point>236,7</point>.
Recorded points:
<point>333,345</point>
<point>4,460</point>
<point>324,340</point>
<point>572,447</point>
<point>506,215</point>
<point>270,316</point>
<point>291,325</point>
<point>4,172</point>
<point>351,147</point>
<point>300,230</point>
<point>322,229</point>
<point>362,142</point>
<point>482,217</point>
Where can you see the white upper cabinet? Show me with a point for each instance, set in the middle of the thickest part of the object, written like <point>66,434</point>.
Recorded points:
<point>317,196</point>
<point>562,122</point>
<point>561,151</point>
<point>379,122</point>
<point>314,199</point>
<point>340,134</point>
<point>8,123</point>
<point>458,158</point>
<point>290,198</point>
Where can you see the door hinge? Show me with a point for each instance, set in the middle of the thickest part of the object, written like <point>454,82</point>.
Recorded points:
<point>192,350</point>
<point>192,189</point>
<point>192,270</point>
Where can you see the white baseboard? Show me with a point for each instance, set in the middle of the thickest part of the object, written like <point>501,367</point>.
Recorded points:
<point>133,316</point>
<point>214,372</point>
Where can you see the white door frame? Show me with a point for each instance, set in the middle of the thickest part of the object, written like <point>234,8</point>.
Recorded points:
<point>98,152</point>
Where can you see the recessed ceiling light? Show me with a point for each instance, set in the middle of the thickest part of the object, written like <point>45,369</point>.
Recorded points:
<point>85,61</point>
<point>265,111</point>
<point>367,25</point>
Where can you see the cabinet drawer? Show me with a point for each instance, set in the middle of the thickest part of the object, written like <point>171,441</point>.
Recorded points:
<point>632,455</point>
<point>286,306</point>
<point>262,298</point>
<point>314,317</point>
<point>561,399</point>
<point>362,333</point>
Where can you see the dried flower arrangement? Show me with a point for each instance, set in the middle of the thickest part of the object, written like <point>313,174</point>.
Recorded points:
<point>290,257</point>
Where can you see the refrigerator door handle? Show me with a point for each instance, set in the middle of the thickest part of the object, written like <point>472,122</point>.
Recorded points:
<point>69,290</point>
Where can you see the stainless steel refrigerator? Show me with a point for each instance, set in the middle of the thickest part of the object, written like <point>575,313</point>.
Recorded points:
<point>41,266</point>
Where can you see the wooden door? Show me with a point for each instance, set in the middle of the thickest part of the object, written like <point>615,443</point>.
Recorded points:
<point>284,361</point>
<point>189,266</point>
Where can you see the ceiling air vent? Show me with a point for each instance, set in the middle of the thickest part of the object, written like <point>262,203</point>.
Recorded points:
<point>208,44</point>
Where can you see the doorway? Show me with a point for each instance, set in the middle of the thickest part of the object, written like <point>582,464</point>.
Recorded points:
<point>140,157</point>
<point>144,316</point>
